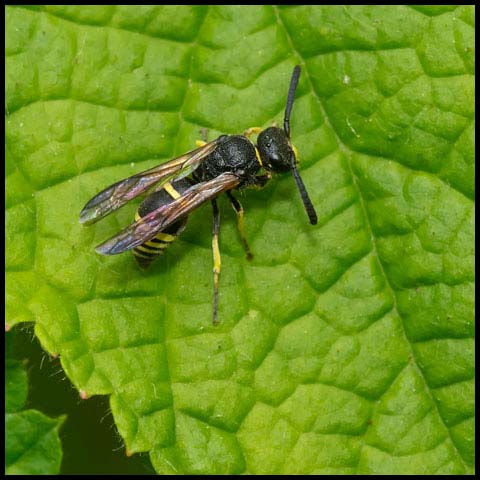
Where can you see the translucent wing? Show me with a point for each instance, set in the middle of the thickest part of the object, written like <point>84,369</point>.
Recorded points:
<point>148,226</point>
<point>116,195</point>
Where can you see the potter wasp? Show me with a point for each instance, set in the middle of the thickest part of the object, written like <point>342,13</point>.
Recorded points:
<point>176,188</point>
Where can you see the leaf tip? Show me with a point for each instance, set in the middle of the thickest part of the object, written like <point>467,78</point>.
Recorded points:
<point>84,395</point>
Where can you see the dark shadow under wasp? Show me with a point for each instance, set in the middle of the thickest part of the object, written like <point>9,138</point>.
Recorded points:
<point>178,187</point>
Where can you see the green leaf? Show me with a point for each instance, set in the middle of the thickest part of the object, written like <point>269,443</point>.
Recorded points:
<point>32,445</point>
<point>343,348</point>
<point>16,386</point>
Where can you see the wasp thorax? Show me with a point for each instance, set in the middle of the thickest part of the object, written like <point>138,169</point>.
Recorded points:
<point>275,150</point>
<point>236,154</point>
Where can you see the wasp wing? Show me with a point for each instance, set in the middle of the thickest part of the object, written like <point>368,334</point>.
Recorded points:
<point>148,226</point>
<point>116,195</point>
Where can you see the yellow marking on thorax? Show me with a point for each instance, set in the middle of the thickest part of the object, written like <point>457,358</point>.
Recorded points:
<point>200,143</point>
<point>257,153</point>
<point>252,131</point>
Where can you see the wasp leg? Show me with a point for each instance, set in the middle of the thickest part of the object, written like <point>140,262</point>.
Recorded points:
<point>216,259</point>
<point>204,140</point>
<point>204,134</point>
<point>261,180</point>
<point>252,131</point>
<point>237,206</point>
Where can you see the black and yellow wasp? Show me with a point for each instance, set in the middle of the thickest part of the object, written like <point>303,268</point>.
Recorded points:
<point>183,184</point>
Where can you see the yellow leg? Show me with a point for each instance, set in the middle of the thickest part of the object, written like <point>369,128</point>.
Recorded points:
<point>217,262</point>
<point>237,206</point>
<point>252,131</point>
<point>241,229</point>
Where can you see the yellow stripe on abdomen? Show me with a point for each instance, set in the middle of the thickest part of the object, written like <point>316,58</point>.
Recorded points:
<point>151,249</point>
<point>168,187</point>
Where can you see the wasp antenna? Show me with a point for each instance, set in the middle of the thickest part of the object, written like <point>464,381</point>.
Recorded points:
<point>290,98</point>
<point>309,208</point>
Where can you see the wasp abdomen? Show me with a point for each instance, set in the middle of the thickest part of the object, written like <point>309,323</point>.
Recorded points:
<point>147,252</point>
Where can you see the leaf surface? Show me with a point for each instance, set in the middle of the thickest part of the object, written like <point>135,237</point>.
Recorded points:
<point>343,348</point>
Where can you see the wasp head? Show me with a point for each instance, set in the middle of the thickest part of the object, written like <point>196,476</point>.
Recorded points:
<point>275,151</point>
